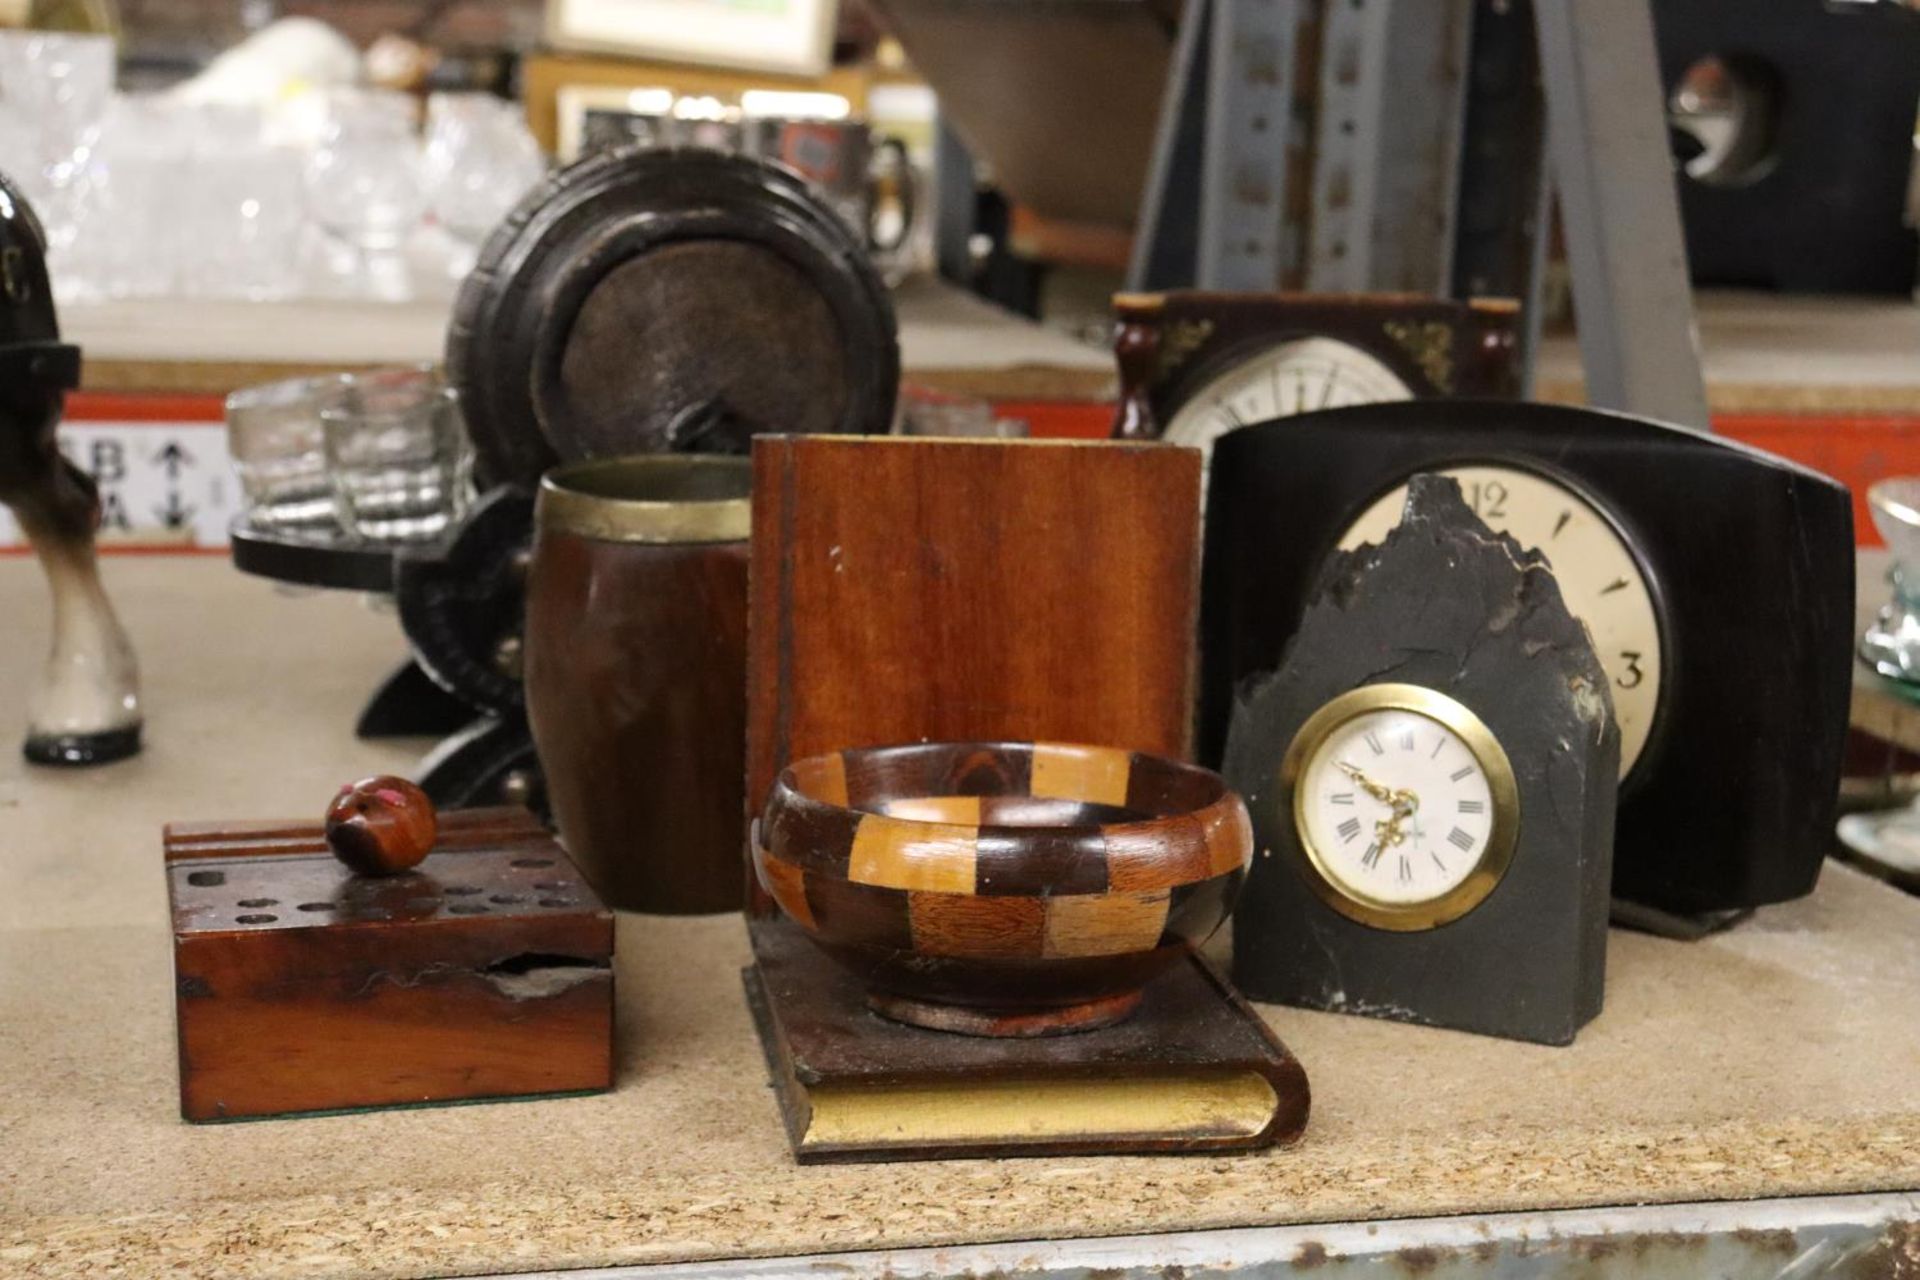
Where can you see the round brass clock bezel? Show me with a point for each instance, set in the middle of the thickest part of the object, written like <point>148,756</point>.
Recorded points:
<point>1504,794</point>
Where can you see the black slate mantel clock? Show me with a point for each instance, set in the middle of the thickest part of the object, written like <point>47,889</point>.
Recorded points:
<point>1716,580</point>
<point>1431,775</point>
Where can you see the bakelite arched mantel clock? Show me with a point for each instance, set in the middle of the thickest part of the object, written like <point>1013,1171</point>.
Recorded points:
<point>1716,582</point>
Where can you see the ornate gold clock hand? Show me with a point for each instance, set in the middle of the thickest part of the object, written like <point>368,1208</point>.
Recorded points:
<point>1402,802</point>
<point>1383,794</point>
<point>1405,805</point>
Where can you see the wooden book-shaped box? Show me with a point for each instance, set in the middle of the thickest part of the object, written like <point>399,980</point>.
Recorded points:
<point>1195,1070</point>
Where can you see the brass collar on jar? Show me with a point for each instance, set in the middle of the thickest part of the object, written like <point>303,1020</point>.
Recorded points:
<point>656,498</point>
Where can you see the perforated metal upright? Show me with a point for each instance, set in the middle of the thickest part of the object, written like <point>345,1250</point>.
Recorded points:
<point>1417,181</point>
<point>1214,214</point>
<point>1388,132</point>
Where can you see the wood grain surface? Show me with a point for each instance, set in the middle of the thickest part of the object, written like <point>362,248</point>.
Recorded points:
<point>635,662</point>
<point>917,589</point>
<point>299,986</point>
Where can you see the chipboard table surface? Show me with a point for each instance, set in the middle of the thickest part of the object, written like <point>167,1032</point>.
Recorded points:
<point>1779,1059</point>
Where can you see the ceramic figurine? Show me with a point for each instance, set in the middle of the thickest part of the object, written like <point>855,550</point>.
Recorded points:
<point>87,708</point>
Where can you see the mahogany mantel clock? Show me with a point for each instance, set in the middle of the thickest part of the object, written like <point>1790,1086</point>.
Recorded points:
<point>1195,364</point>
<point>1715,580</point>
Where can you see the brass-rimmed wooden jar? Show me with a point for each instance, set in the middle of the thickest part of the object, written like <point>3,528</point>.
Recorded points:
<point>636,637</point>
<point>1003,888</point>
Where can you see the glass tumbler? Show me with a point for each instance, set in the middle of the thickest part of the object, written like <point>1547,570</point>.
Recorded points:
<point>245,205</point>
<point>135,215</point>
<point>1891,645</point>
<point>480,160</point>
<point>277,444</point>
<point>923,411</point>
<point>363,179</point>
<point>397,454</point>
<point>53,90</point>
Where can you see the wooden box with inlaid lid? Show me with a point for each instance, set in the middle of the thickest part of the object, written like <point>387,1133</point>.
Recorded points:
<point>301,985</point>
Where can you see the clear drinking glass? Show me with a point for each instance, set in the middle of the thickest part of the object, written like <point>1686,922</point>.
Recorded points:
<point>279,452</point>
<point>923,411</point>
<point>480,159</point>
<point>364,189</point>
<point>397,454</point>
<point>53,90</point>
<point>1891,645</point>
<point>246,207</point>
<point>363,179</point>
<point>133,206</point>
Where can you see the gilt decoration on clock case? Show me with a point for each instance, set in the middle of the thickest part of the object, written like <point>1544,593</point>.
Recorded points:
<point>1195,364</point>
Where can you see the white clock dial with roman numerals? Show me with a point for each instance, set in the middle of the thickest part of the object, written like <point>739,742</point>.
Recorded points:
<point>1290,377</point>
<point>1396,808</point>
<point>1599,576</point>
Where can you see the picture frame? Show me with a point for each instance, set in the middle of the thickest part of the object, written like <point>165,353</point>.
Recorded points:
<point>793,37</point>
<point>574,103</point>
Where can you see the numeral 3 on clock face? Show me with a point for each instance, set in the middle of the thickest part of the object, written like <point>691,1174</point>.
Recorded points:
<point>1599,576</point>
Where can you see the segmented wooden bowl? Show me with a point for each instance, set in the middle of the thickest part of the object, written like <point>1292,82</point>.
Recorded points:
<point>1003,888</point>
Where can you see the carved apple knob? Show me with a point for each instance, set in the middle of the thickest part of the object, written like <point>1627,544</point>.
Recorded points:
<point>380,826</point>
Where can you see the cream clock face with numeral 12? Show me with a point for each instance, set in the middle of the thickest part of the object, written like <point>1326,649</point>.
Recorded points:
<point>1291,377</point>
<point>1599,576</point>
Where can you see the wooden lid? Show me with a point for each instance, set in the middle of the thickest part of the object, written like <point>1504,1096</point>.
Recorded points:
<point>655,300</point>
<point>488,868</point>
